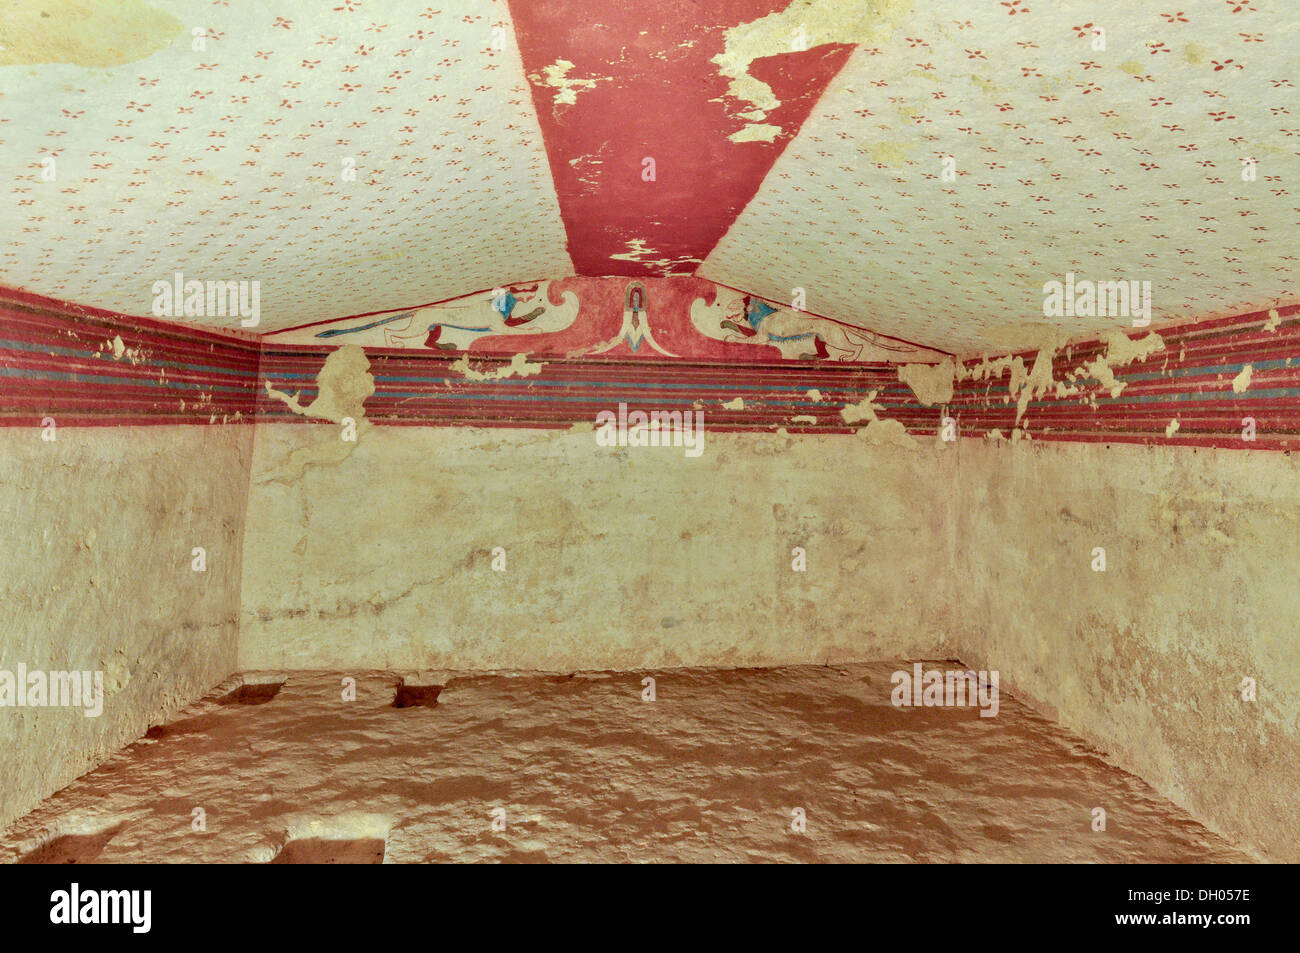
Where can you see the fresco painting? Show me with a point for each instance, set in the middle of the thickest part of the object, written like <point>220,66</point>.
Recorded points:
<point>800,335</point>
<point>619,318</point>
<point>453,326</point>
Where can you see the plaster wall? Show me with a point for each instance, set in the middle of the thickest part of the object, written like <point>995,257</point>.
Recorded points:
<point>97,529</point>
<point>615,558</point>
<point>382,557</point>
<point>1147,658</point>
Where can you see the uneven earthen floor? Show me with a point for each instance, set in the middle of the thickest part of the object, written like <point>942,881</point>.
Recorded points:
<point>585,770</point>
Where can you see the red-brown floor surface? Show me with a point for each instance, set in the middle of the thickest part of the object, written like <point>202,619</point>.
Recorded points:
<point>580,768</point>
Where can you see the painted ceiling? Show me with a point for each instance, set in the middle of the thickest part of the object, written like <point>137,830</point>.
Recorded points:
<point>1118,164</point>
<point>232,162</point>
<point>921,168</point>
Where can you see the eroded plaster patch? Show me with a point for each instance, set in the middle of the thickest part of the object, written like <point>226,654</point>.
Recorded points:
<point>639,252</point>
<point>888,433</point>
<point>1029,384</point>
<point>1242,380</point>
<point>135,355</point>
<point>865,409</point>
<point>83,32</point>
<point>878,431</point>
<point>342,386</point>
<point>519,366</point>
<point>815,23</point>
<point>1120,350</point>
<point>557,77</point>
<point>1023,385</point>
<point>931,383</point>
<point>756,132</point>
<point>886,153</point>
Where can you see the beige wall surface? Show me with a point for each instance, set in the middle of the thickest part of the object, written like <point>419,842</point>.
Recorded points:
<point>380,555</point>
<point>97,528</point>
<point>614,558</point>
<point>1147,659</point>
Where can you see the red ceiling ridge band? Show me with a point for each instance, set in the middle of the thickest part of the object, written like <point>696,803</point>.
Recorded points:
<point>637,81</point>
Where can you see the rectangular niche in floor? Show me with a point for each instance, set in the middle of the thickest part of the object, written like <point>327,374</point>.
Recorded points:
<point>325,850</point>
<point>252,693</point>
<point>411,696</point>
<point>72,848</point>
